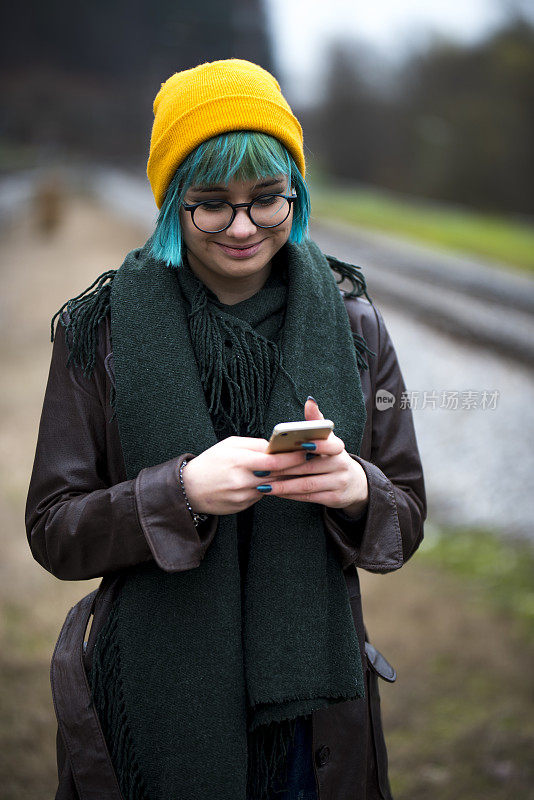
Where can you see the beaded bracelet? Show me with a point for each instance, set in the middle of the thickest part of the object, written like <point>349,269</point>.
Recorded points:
<point>197,518</point>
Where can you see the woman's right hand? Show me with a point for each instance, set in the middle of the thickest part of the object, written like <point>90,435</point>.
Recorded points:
<point>221,480</point>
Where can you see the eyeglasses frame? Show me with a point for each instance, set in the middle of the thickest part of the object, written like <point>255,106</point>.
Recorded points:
<point>191,207</point>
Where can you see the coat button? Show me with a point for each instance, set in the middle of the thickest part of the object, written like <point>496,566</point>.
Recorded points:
<point>322,756</point>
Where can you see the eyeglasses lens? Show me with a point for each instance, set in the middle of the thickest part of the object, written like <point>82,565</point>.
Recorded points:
<point>267,211</point>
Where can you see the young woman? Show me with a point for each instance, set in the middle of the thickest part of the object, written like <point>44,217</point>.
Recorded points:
<point>227,656</point>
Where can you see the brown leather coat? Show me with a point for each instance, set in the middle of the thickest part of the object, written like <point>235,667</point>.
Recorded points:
<point>84,519</point>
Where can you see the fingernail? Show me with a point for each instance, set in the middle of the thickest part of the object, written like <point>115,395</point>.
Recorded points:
<point>261,473</point>
<point>265,487</point>
<point>309,446</point>
<point>309,397</point>
<point>309,456</point>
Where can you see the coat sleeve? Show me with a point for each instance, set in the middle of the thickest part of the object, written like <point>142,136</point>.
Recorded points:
<point>80,522</point>
<point>390,529</point>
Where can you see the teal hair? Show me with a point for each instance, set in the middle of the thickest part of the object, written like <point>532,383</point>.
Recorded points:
<point>240,155</point>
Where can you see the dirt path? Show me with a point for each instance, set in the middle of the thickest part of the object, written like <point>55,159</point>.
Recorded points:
<point>459,719</point>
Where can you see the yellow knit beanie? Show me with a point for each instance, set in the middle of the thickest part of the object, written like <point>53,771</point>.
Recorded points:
<point>213,98</point>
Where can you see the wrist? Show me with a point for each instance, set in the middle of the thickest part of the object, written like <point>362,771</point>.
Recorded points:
<point>355,510</point>
<point>357,507</point>
<point>197,518</point>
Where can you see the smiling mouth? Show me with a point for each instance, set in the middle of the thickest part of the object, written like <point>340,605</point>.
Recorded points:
<point>240,251</point>
<point>239,247</point>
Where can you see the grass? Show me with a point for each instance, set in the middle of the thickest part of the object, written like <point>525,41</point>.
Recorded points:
<point>499,238</point>
<point>501,570</point>
<point>27,726</point>
<point>459,722</point>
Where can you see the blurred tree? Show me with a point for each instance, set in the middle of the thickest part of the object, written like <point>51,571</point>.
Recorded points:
<point>358,130</point>
<point>456,123</point>
<point>472,111</point>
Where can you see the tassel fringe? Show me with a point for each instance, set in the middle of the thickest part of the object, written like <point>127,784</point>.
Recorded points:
<point>85,311</point>
<point>349,272</point>
<point>233,385</point>
<point>359,287</point>
<point>108,697</point>
<point>362,350</point>
<point>268,748</point>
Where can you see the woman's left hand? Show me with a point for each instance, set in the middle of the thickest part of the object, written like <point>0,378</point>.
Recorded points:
<point>331,478</point>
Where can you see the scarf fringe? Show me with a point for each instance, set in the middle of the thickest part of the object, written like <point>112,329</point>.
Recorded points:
<point>268,748</point>
<point>108,698</point>
<point>233,385</point>
<point>351,273</point>
<point>362,351</point>
<point>85,312</point>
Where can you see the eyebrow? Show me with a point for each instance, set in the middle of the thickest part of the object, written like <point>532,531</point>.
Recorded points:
<point>262,185</point>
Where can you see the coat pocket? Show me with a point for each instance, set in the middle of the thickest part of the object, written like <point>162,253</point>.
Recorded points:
<point>83,759</point>
<point>377,666</point>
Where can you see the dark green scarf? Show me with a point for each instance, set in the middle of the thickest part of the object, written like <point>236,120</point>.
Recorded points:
<point>203,678</point>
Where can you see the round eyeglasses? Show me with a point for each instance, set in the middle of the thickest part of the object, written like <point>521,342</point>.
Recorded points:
<point>265,211</point>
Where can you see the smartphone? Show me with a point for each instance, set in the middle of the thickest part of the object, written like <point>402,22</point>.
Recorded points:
<point>287,436</point>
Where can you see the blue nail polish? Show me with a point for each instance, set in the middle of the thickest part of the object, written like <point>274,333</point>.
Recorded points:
<point>265,487</point>
<point>261,473</point>
<point>309,446</point>
<point>309,397</point>
<point>309,456</point>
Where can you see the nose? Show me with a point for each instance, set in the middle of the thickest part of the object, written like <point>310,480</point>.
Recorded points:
<point>242,227</point>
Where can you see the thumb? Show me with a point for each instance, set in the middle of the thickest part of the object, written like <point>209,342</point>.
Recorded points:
<point>311,410</point>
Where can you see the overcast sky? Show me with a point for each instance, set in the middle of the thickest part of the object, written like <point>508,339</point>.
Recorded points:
<point>303,28</point>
